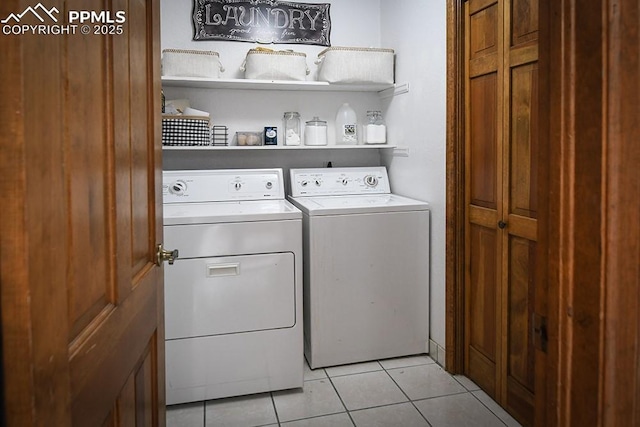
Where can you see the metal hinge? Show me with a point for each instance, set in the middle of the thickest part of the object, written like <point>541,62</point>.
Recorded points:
<point>540,332</point>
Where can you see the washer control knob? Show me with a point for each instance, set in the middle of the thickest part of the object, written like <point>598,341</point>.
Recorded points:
<point>178,188</point>
<point>345,181</point>
<point>370,180</point>
<point>269,185</point>
<point>237,186</point>
<point>304,183</point>
<point>318,182</point>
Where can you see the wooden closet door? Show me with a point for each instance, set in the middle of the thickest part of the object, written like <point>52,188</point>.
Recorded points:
<point>501,132</point>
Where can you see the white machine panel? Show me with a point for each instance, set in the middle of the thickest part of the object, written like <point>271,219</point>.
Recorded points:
<point>222,185</point>
<point>224,295</point>
<point>339,181</point>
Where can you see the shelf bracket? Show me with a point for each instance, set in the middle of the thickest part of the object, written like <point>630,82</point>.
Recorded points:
<point>396,90</point>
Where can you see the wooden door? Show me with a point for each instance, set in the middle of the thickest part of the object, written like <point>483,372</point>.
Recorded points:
<point>81,297</point>
<point>501,97</point>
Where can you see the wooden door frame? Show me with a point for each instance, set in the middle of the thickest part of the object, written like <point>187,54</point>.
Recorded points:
<point>455,216</point>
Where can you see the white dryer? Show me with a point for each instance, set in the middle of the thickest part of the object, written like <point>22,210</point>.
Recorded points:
<point>366,266</point>
<point>233,299</point>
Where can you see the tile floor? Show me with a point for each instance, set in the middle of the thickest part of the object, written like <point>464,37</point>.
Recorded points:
<point>403,392</point>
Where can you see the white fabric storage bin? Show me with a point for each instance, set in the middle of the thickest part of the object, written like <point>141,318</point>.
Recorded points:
<point>191,63</point>
<point>264,64</point>
<point>356,65</point>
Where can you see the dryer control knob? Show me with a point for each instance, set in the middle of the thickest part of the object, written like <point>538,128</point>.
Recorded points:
<point>345,181</point>
<point>178,188</point>
<point>269,185</point>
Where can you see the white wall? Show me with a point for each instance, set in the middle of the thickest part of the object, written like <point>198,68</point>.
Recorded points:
<point>416,29</point>
<point>353,23</point>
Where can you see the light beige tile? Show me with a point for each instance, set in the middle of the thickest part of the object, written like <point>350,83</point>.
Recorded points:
<point>313,374</point>
<point>253,410</point>
<point>460,410</point>
<point>403,362</point>
<point>336,420</point>
<point>367,390</point>
<point>496,409</point>
<point>355,368</point>
<point>466,382</point>
<point>186,415</point>
<point>422,382</point>
<point>316,398</point>
<point>404,415</point>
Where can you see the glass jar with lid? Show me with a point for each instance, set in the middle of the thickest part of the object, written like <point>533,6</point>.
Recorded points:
<point>292,135</point>
<point>375,131</point>
<point>315,132</point>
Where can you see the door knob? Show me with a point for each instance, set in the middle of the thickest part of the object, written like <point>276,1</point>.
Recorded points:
<point>164,255</point>
<point>502,224</point>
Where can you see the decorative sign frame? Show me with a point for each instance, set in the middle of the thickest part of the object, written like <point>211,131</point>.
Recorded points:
<point>262,21</point>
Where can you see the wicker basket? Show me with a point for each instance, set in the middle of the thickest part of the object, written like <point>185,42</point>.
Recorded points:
<point>265,64</point>
<point>191,63</point>
<point>356,65</point>
<point>185,130</point>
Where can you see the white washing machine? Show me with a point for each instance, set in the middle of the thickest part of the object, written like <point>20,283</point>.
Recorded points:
<point>233,298</point>
<point>366,266</point>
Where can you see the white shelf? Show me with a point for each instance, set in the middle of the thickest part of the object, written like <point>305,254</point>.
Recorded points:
<point>206,83</point>
<point>277,147</point>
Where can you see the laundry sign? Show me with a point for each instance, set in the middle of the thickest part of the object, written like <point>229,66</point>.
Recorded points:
<point>262,21</point>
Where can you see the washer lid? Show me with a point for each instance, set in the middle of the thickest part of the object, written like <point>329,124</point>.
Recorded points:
<point>225,212</point>
<point>343,205</point>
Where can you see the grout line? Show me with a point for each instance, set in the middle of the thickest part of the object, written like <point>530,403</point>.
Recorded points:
<point>490,410</point>
<point>340,397</point>
<point>275,409</point>
<point>406,395</point>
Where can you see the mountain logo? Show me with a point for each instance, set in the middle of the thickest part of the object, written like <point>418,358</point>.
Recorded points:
<point>43,11</point>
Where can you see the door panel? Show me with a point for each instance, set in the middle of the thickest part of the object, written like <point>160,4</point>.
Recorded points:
<point>482,323</point>
<point>483,138</point>
<point>524,21</point>
<point>524,125</point>
<point>86,180</point>
<point>522,264</point>
<point>483,33</point>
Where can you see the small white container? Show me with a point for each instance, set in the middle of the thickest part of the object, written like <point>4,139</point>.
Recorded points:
<point>292,135</point>
<point>315,132</point>
<point>374,131</point>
